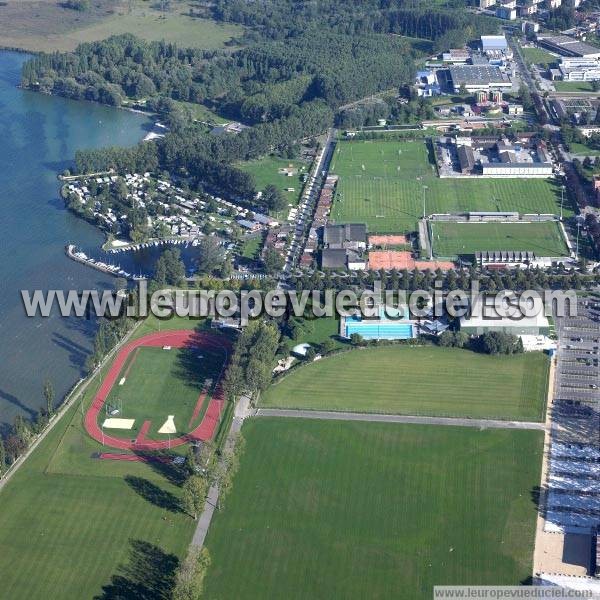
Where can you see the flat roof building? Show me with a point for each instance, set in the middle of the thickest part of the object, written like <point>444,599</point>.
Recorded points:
<point>493,42</point>
<point>478,77</point>
<point>568,46</point>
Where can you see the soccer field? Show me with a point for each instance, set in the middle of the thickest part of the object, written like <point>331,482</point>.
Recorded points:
<point>419,381</point>
<point>381,184</point>
<point>159,383</point>
<point>454,239</point>
<point>326,509</point>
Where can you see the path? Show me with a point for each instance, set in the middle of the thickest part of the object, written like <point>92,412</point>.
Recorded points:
<point>379,418</point>
<point>242,410</point>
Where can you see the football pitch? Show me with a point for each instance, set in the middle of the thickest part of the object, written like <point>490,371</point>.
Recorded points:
<point>330,509</point>
<point>454,239</point>
<point>382,184</point>
<point>419,381</point>
<point>158,383</point>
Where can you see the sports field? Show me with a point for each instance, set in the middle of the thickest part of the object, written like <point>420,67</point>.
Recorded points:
<point>326,509</point>
<point>424,380</point>
<point>381,184</point>
<point>454,239</point>
<point>159,383</point>
<point>73,526</point>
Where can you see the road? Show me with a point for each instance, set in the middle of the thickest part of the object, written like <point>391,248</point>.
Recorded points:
<point>379,418</point>
<point>306,208</point>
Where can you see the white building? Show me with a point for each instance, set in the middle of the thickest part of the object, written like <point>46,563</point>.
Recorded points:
<point>579,69</point>
<point>493,42</point>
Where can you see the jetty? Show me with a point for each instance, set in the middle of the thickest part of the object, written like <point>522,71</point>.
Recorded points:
<point>84,259</point>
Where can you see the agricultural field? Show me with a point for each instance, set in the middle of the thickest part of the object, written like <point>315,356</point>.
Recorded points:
<point>454,239</point>
<point>70,522</point>
<point>331,509</point>
<point>381,184</point>
<point>268,171</point>
<point>46,25</point>
<point>425,380</point>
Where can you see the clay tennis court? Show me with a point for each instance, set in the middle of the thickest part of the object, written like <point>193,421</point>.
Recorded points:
<point>388,240</point>
<point>401,259</point>
<point>176,339</point>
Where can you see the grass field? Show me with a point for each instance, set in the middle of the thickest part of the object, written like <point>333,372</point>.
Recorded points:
<point>573,86</point>
<point>419,381</point>
<point>161,382</point>
<point>582,149</point>
<point>45,25</point>
<point>362,510</point>
<point>70,523</point>
<point>266,172</point>
<point>453,239</point>
<point>381,184</point>
<point>539,56</point>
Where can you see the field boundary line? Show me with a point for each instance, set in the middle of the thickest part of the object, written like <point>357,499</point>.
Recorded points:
<point>406,419</point>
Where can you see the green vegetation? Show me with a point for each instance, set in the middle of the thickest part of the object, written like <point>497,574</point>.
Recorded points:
<point>252,246</point>
<point>364,510</point>
<point>573,86</point>
<point>454,239</point>
<point>161,382</point>
<point>583,149</point>
<point>539,56</point>
<point>381,184</point>
<point>69,522</point>
<point>269,170</point>
<point>419,381</point>
<point>48,25</point>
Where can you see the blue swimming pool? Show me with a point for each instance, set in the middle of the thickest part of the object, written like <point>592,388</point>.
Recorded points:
<point>379,330</point>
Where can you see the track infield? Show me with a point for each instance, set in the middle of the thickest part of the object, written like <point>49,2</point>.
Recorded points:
<point>147,383</point>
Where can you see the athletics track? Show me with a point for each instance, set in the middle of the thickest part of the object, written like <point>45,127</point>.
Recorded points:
<point>176,339</point>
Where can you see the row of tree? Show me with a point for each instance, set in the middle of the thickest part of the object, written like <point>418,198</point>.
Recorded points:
<point>492,342</point>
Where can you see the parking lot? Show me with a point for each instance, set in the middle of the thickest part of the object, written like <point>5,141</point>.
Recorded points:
<point>573,498</point>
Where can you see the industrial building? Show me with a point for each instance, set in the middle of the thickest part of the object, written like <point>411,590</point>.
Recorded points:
<point>478,77</point>
<point>568,46</point>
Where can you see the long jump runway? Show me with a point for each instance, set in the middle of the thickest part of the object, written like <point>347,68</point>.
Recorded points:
<point>176,339</point>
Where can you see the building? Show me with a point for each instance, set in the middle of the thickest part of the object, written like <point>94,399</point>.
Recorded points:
<point>486,3</point>
<point>478,77</point>
<point>491,43</point>
<point>352,236</point>
<point>529,27</point>
<point>579,69</point>
<point>466,159</point>
<point>485,318</point>
<point>568,46</point>
<point>333,258</point>
<point>514,109</point>
<point>553,4</point>
<point>528,9</point>
<point>508,14</point>
<point>456,55</point>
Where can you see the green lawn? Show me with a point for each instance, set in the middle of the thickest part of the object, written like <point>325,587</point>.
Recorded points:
<point>381,184</point>
<point>266,172</point>
<point>161,382</point>
<point>573,86</point>
<point>582,149</point>
<point>539,56</point>
<point>325,509</point>
<point>419,381</point>
<point>453,239</point>
<point>251,246</point>
<point>69,522</point>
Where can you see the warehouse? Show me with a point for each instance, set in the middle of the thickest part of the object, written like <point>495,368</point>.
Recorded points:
<point>478,77</point>
<point>568,46</point>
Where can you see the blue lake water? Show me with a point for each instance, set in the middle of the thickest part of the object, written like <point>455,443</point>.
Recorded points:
<point>38,138</point>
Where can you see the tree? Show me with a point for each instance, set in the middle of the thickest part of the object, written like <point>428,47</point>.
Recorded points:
<point>189,581</point>
<point>194,495</point>
<point>169,269</point>
<point>49,394</point>
<point>356,339</point>
<point>273,198</point>
<point>327,346</point>
<point>273,261</point>
<point>310,354</point>
<point>211,255</point>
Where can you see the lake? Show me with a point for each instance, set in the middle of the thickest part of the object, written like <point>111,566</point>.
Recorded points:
<point>38,139</point>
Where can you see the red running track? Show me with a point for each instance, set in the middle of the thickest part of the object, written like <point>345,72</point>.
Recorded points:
<point>176,339</point>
